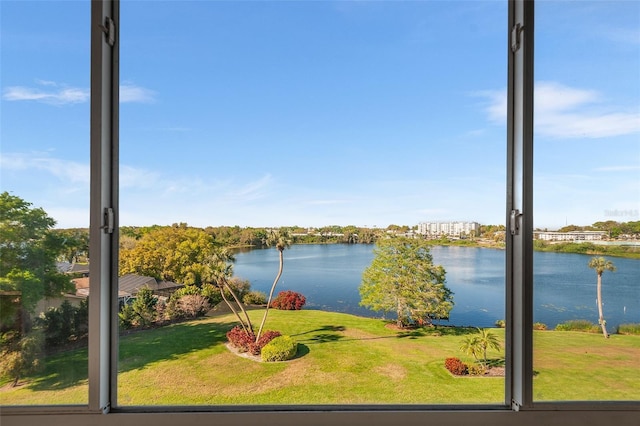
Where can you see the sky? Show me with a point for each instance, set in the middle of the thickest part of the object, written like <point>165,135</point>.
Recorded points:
<point>318,113</point>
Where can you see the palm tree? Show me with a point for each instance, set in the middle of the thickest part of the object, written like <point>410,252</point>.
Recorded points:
<point>281,241</point>
<point>600,264</point>
<point>480,343</point>
<point>470,346</point>
<point>487,340</point>
<point>218,269</point>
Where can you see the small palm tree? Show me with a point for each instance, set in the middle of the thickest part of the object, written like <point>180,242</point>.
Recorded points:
<point>280,241</point>
<point>470,346</point>
<point>480,343</point>
<point>600,264</point>
<point>217,271</point>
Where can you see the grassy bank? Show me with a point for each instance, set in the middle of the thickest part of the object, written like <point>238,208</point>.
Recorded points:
<point>342,359</point>
<point>630,252</point>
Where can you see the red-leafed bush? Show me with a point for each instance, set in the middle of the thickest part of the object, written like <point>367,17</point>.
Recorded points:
<point>289,301</point>
<point>240,339</point>
<point>266,337</point>
<point>246,342</point>
<point>455,366</point>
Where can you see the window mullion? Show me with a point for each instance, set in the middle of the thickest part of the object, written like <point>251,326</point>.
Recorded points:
<point>519,211</point>
<point>104,203</point>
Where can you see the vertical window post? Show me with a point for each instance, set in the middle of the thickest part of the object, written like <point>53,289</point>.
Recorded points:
<point>519,207</point>
<point>103,233</point>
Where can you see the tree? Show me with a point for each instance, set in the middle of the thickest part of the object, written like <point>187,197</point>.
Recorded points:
<point>403,279</point>
<point>75,244</point>
<point>179,253</point>
<point>21,356</point>
<point>281,241</point>
<point>600,264</point>
<point>144,307</point>
<point>479,344</point>
<point>28,254</point>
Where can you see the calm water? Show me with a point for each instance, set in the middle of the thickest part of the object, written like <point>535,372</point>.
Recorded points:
<point>565,288</point>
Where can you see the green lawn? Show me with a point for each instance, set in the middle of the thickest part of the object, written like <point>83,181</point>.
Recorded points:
<point>342,359</point>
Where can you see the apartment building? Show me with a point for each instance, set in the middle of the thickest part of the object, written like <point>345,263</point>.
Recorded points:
<point>449,229</point>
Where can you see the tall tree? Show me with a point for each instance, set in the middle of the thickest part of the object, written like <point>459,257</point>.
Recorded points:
<point>279,239</point>
<point>179,253</point>
<point>403,279</point>
<point>600,264</point>
<point>28,254</point>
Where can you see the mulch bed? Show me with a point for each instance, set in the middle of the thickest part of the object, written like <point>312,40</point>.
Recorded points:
<point>247,355</point>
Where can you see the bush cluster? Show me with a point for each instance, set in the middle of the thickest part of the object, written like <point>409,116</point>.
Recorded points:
<point>455,366</point>
<point>476,369</point>
<point>66,323</point>
<point>241,339</point>
<point>148,310</point>
<point>539,326</point>
<point>578,325</point>
<point>281,348</point>
<point>255,298</point>
<point>289,301</point>
<point>246,341</point>
<point>629,329</point>
<point>20,355</point>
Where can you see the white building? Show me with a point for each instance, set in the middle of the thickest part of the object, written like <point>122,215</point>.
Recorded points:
<point>570,236</point>
<point>449,229</point>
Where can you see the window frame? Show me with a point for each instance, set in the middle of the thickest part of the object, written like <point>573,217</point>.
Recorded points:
<point>519,406</point>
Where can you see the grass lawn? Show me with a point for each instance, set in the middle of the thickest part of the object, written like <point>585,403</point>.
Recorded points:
<point>342,359</point>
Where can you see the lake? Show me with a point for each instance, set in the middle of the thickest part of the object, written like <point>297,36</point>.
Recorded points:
<point>328,275</point>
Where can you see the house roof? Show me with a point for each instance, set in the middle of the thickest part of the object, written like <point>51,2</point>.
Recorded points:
<point>131,283</point>
<point>81,283</point>
<point>128,285</point>
<point>69,268</point>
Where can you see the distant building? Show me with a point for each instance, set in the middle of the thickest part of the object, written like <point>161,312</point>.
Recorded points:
<point>448,229</point>
<point>575,236</point>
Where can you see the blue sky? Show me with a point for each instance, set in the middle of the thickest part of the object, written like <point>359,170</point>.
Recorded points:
<point>322,113</point>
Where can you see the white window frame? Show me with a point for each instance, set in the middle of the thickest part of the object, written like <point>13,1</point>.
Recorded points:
<point>519,407</point>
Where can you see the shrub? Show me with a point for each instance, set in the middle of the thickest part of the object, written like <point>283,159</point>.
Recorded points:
<point>65,323</point>
<point>265,338</point>
<point>172,309</point>
<point>501,323</point>
<point>289,301</point>
<point>212,293</point>
<point>240,339</point>
<point>455,366</point>
<point>629,329</point>
<point>255,298</point>
<point>246,342</point>
<point>282,348</point>
<point>539,326</point>
<point>193,305</point>
<point>144,307</point>
<point>186,290</point>
<point>578,325</point>
<point>126,317</point>
<point>476,369</point>
<point>239,286</point>
<point>21,356</point>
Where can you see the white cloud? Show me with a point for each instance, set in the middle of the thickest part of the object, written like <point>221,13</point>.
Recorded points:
<point>256,189</point>
<point>66,171</point>
<point>327,202</point>
<point>132,177</point>
<point>617,169</point>
<point>565,112</point>
<point>52,93</point>
<point>131,93</point>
